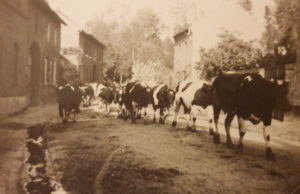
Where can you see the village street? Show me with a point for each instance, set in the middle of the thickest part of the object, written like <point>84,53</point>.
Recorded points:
<point>103,154</point>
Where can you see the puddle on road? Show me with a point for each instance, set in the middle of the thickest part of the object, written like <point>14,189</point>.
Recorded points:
<point>39,182</point>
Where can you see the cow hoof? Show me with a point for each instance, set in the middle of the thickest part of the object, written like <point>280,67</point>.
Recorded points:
<point>229,144</point>
<point>194,128</point>
<point>269,154</point>
<point>211,132</point>
<point>217,139</point>
<point>74,121</point>
<point>161,121</point>
<point>189,128</point>
<point>174,123</point>
<point>240,148</point>
<point>154,120</point>
<point>65,122</point>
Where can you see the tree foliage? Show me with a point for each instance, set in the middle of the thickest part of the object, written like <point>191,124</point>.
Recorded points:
<point>230,54</point>
<point>140,41</point>
<point>281,30</point>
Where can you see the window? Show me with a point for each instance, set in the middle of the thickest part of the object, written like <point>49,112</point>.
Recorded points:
<point>15,60</point>
<point>55,36</point>
<point>50,72</point>
<point>54,72</point>
<point>46,72</point>
<point>49,32</point>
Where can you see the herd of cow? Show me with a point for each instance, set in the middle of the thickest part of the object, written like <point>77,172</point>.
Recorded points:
<point>248,96</point>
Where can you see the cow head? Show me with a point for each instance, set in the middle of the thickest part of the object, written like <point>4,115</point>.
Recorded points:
<point>171,96</point>
<point>118,93</point>
<point>281,103</point>
<point>203,96</point>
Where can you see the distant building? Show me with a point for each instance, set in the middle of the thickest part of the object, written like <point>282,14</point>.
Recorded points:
<point>29,53</point>
<point>183,55</point>
<point>73,55</point>
<point>68,71</point>
<point>91,65</point>
<point>206,26</point>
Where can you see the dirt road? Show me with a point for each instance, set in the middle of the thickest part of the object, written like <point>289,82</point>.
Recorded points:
<point>101,154</point>
<point>106,155</point>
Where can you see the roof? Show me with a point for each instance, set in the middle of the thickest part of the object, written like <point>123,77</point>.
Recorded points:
<point>92,38</point>
<point>45,6</point>
<point>185,31</point>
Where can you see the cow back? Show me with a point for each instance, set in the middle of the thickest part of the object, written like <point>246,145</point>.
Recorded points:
<point>69,95</point>
<point>225,91</point>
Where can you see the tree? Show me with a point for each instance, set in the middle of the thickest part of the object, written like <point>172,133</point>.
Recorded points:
<point>139,41</point>
<point>279,38</point>
<point>231,54</point>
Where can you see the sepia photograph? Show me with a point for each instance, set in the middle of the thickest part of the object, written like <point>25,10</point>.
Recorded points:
<point>149,96</point>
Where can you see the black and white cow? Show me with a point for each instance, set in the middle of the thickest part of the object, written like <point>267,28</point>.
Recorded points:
<point>250,97</point>
<point>119,100</point>
<point>194,96</point>
<point>107,96</point>
<point>136,98</point>
<point>162,97</point>
<point>68,98</point>
<point>88,94</point>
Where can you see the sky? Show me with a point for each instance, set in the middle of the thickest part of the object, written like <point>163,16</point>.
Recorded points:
<point>207,17</point>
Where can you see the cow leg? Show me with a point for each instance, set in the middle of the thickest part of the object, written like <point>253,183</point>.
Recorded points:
<point>133,112</point>
<point>188,118</point>
<point>193,114</point>
<point>228,120</point>
<point>154,114</point>
<point>139,113</point>
<point>61,112</point>
<point>145,115</point>
<point>269,152</point>
<point>242,131</point>
<point>215,133</point>
<point>177,106</point>
<point>125,113</point>
<point>161,115</point>
<point>167,110</point>
<point>119,112</point>
<point>210,115</point>
<point>74,116</point>
<point>67,115</point>
<point>108,108</point>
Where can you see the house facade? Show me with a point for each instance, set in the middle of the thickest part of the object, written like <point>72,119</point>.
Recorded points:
<point>13,55</point>
<point>184,55</point>
<point>44,47</point>
<point>91,61</point>
<point>29,53</point>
